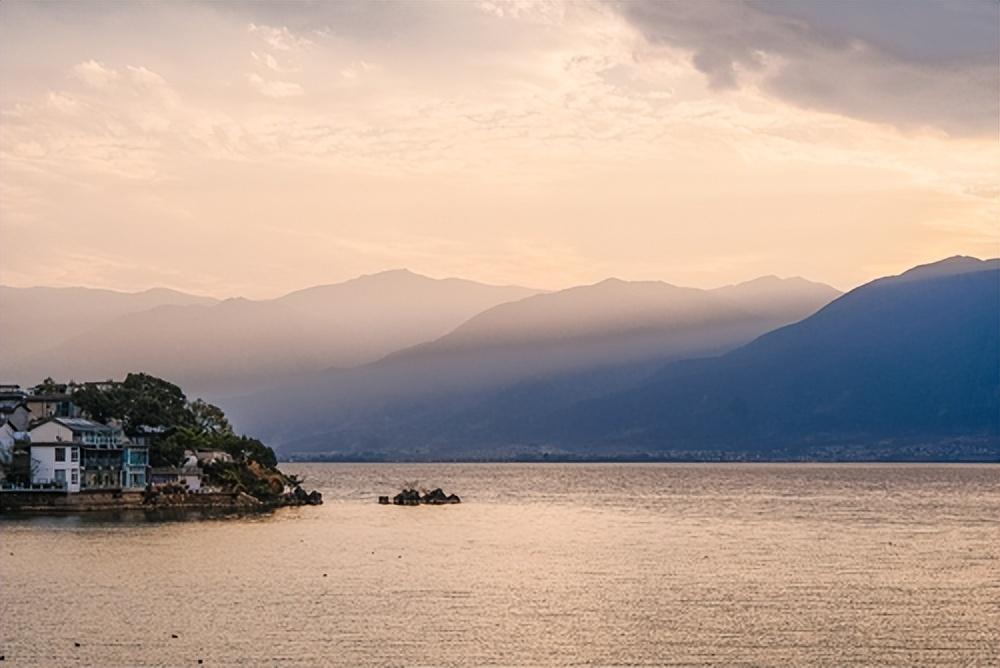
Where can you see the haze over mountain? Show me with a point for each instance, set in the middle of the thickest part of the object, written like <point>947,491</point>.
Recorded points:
<point>912,360</point>
<point>623,327</point>
<point>905,366</point>
<point>34,319</point>
<point>231,346</point>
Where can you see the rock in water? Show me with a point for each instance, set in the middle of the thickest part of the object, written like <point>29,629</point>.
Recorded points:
<point>408,497</point>
<point>411,497</point>
<point>435,498</point>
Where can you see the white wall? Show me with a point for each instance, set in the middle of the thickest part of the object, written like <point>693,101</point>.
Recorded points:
<point>44,464</point>
<point>50,432</point>
<point>6,443</point>
<point>6,435</point>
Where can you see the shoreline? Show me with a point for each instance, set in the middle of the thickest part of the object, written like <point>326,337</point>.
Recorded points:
<point>995,459</point>
<point>93,501</point>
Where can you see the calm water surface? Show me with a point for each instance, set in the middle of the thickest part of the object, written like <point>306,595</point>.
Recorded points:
<point>542,565</point>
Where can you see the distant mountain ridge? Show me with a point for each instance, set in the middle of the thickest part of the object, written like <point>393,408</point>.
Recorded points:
<point>34,319</point>
<point>903,367</point>
<point>625,327</point>
<point>907,359</point>
<point>218,348</point>
<point>401,366</point>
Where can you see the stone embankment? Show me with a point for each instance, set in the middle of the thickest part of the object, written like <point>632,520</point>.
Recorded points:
<point>103,500</point>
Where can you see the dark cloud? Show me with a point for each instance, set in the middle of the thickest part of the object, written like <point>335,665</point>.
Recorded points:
<point>905,62</point>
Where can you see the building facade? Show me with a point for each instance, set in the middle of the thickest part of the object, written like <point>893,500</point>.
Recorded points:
<point>56,464</point>
<point>79,455</point>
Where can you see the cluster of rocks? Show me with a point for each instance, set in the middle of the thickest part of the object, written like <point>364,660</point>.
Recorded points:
<point>411,497</point>
<point>172,494</point>
<point>301,497</point>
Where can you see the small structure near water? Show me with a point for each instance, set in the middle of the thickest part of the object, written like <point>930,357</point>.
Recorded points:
<point>412,497</point>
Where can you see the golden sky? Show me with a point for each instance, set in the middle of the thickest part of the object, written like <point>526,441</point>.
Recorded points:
<point>253,149</point>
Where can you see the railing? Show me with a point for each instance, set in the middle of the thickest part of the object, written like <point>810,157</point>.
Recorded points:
<point>53,486</point>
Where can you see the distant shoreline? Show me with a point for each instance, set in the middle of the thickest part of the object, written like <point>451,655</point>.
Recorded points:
<point>635,460</point>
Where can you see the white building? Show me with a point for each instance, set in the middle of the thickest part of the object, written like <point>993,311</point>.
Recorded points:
<point>56,463</point>
<point>8,436</point>
<point>76,430</point>
<point>81,454</point>
<point>206,457</point>
<point>7,432</point>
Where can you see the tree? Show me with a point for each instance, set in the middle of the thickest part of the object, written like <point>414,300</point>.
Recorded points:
<point>208,418</point>
<point>169,451</point>
<point>140,400</point>
<point>149,400</point>
<point>48,386</point>
<point>100,405</point>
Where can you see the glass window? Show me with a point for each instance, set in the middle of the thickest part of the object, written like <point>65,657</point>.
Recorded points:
<point>74,454</point>
<point>60,475</point>
<point>74,477</point>
<point>60,454</point>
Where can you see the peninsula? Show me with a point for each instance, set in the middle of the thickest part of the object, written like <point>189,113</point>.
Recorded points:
<point>132,444</point>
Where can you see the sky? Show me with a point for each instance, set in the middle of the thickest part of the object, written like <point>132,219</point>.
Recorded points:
<point>255,148</point>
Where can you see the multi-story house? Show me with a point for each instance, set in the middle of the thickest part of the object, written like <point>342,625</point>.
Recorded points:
<point>79,454</point>
<point>44,406</point>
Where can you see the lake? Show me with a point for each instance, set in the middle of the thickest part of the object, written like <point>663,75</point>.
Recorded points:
<point>542,564</point>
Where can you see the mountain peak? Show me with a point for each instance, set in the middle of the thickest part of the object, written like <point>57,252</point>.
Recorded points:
<point>956,264</point>
<point>403,271</point>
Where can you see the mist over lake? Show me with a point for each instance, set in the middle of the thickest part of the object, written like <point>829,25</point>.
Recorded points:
<point>540,565</point>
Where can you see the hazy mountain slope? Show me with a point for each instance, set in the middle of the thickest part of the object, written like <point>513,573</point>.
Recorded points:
<point>779,297</point>
<point>904,358</point>
<point>233,346</point>
<point>565,345</point>
<point>34,319</point>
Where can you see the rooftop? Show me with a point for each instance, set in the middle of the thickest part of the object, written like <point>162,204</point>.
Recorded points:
<point>84,425</point>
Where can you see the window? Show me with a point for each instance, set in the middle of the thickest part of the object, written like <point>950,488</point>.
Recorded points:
<point>61,455</point>
<point>60,475</point>
<point>74,454</point>
<point>74,477</point>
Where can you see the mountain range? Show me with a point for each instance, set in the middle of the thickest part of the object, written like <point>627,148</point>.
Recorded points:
<point>216,348</point>
<point>903,367</point>
<point>605,335</point>
<point>397,366</point>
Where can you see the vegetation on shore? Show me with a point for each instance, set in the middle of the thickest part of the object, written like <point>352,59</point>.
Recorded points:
<point>144,405</point>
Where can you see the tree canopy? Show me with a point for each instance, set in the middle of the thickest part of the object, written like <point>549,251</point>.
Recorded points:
<point>143,400</point>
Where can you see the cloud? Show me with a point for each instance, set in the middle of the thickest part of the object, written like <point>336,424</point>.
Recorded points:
<point>95,74</point>
<point>147,82</point>
<point>63,102</point>
<point>907,63</point>
<point>267,60</point>
<point>274,88</point>
<point>355,69</point>
<point>508,121</point>
<point>279,39</point>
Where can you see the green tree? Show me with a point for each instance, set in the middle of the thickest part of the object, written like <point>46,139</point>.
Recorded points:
<point>208,418</point>
<point>169,451</point>
<point>100,405</point>
<point>48,386</point>
<point>149,400</point>
<point>143,399</point>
